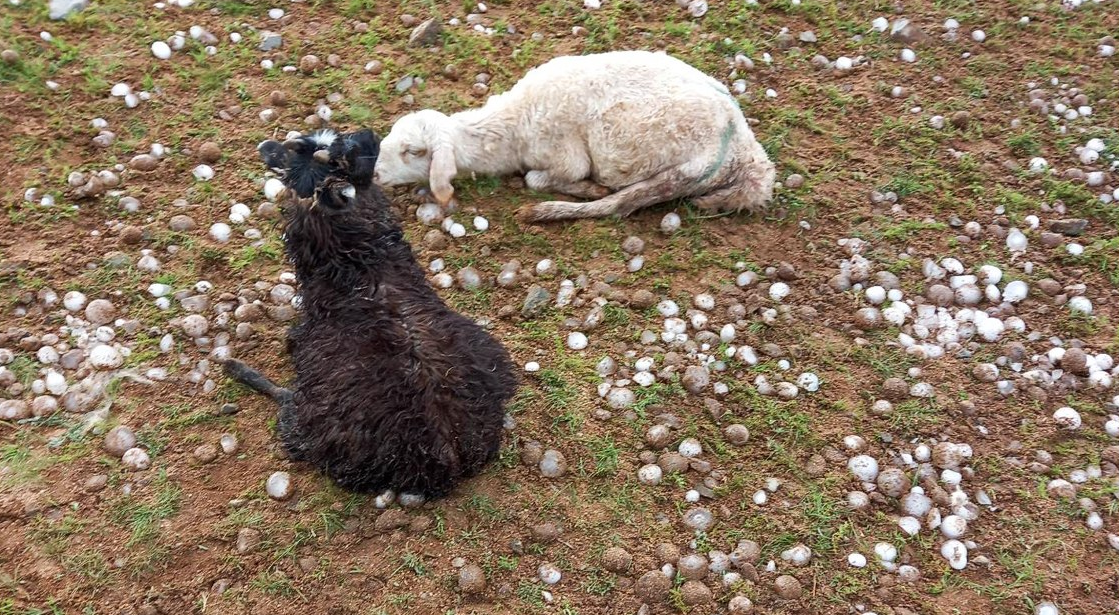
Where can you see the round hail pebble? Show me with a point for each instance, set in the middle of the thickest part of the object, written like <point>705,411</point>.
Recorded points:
<point>886,552</point>
<point>161,50</point>
<point>220,232</point>
<point>809,382</point>
<point>668,308</point>
<point>1112,427</point>
<point>273,188</point>
<point>670,223</point>
<point>908,56</point>
<point>1067,418</point>
<point>105,357</point>
<point>1080,304</point>
<point>956,553</point>
<point>910,525</point>
<point>136,459</point>
<point>481,224</point>
<point>650,474</point>
<point>876,294</point>
<point>953,526</point>
<point>856,560</point>
<point>978,36</point>
<point>549,574</point>
<point>779,290</point>
<point>690,447</point>
<point>1038,164</point>
<point>798,555</point>
<point>576,340</point>
<point>864,467</point>
<point>761,497</point>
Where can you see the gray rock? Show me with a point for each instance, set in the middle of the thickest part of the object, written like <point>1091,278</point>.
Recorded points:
<point>471,579</point>
<point>270,41</point>
<point>181,223</point>
<point>405,84</point>
<point>553,464</point>
<point>1072,227</point>
<point>61,9</point>
<point>195,303</point>
<point>905,31</point>
<point>248,540</point>
<point>696,379</point>
<point>536,301</point>
<point>118,440</point>
<point>426,34</point>
<point>144,162</point>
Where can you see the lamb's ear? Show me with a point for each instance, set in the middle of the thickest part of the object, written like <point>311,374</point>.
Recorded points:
<point>443,170</point>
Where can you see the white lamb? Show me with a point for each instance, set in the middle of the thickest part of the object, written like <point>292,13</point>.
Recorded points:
<point>626,128</point>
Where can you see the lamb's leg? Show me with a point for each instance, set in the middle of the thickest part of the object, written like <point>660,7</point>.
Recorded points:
<point>662,187</point>
<point>253,379</point>
<point>580,189</point>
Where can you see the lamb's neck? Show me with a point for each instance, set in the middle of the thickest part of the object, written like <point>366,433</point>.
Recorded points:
<point>486,141</point>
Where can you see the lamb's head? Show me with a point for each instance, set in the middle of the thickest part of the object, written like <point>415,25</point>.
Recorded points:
<point>419,147</point>
<point>324,168</point>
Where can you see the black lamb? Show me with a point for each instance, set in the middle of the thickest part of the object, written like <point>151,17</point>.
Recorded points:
<point>393,389</point>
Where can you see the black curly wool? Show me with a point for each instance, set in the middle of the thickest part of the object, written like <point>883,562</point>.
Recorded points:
<point>392,389</point>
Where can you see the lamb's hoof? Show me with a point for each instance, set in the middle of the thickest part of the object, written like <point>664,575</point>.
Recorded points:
<point>529,214</point>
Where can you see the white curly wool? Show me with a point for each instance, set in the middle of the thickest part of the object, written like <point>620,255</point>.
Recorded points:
<point>576,113</point>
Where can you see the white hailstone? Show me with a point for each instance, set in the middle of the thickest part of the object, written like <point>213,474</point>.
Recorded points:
<point>203,172</point>
<point>384,499</point>
<point>953,526</point>
<point>278,486</point>
<point>989,274</point>
<point>74,301</point>
<point>771,93</point>
<point>55,382</point>
<point>576,340</point>
<point>131,101</point>
<point>797,555</point>
<point>481,224</point>
<point>760,497</point>
<point>726,334</point>
<point>746,278</point>
<point>239,212</point>
<point>650,474</point>
<point>47,355</point>
<point>532,366</point>
<point>273,188</point>
<point>916,504</point>
<point>690,447</point>
<point>880,24</point>
<point>956,553</point>
<point>854,443</point>
<point>908,55</point>
<point>875,295</point>
<point>549,574</point>
<point>969,294</point>
<point>843,63</point>
<point>1038,164</point>
<point>457,230</point>
<point>275,13</point>
<point>910,525</point>
<point>443,280</point>
<point>644,379</point>
<point>161,50</point>
<point>1089,156</point>
<point>857,500</point>
<point>779,290</point>
<point>886,552</point>
<point>1080,304</point>
<point>235,37</point>
<point>1106,51</point>
<point>951,24</point>
<point>882,407</point>
<point>809,382</point>
<point>668,308</point>
<point>220,232</point>
<point>1112,426</point>
<point>1067,418</point>
<point>1046,608</point>
<point>1016,241</point>
<point>1094,521</point>
<point>922,389</point>
<point>692,496</point>
<point>704,301</point>
<point>1015,291</point>
<point>856,560</point>
<point>136,459</point>
<point>864,467</point>
<point>1074,249</point>
<point>670,223</point>
<point>118,90</point>
<point>978,36</point>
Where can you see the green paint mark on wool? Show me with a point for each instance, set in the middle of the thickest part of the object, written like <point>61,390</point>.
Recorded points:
<point>724,148</point>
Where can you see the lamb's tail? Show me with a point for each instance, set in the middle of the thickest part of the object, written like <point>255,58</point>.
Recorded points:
<point>257,381</point>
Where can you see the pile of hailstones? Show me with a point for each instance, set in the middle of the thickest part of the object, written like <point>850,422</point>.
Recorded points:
<point>702,346</point>
<point>936,503</point>
<point>78,361</point>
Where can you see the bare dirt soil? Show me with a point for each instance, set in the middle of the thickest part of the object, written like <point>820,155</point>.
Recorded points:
<point>890,159</point>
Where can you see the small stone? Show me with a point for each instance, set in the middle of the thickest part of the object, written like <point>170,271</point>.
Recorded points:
<point>119,440</point>
<point>248,540</point>
<point>788,587</point>
<point>617,560</point>
<point>95,483</point>
<point>1073,227</point>
<point>471,579</point>
<point>206,453</point>
<point>1075,361</point>
<point>136,459</point>
<point>536,301</point>
<point>696,379</point>
<point>426,34</point>
<point>143,162</point>
<point>737,434</point>
<point>181,223</point>
<point>695,593</point>
<point>100,312</point>
<point>209,152</point>
<point>652,587</point>
<point>961,119</point>
<point>309,63</point>
<point>270,41</point>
